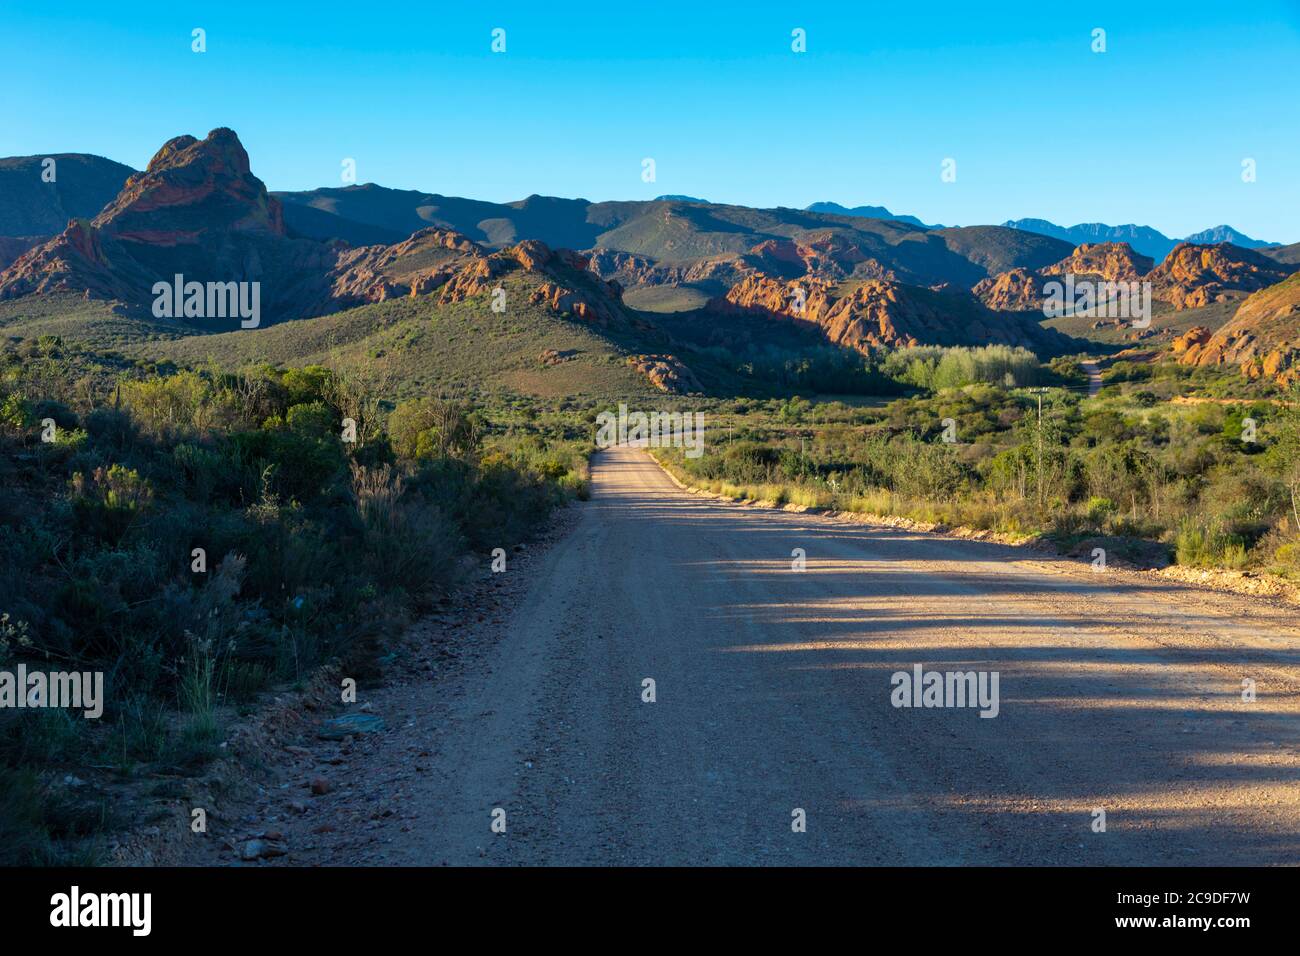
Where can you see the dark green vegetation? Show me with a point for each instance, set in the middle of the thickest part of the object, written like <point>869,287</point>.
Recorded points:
<point>217,514</point>
<point>1153,381</point>
<point>314,547</point>
<point>1143,477</point>
<point>401,347</point>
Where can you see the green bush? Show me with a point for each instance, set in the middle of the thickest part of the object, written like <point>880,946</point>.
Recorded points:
<point>314,548</point>
<point>1207,544</point>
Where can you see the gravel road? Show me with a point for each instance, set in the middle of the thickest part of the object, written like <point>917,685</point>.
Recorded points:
<point>1117,693</point>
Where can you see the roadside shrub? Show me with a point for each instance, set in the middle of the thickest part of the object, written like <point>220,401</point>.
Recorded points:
<point>1207,544</point>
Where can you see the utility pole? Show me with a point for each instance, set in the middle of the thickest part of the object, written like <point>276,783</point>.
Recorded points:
<point>1039,469</point>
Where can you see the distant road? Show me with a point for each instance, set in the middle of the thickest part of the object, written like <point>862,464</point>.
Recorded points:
<point>1094,377</point>
<point>773,694</point>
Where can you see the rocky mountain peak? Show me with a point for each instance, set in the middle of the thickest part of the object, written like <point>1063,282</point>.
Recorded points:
<point>192,186</point>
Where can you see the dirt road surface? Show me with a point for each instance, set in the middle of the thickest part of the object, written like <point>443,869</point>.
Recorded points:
<point>1118,693</point>
<point>1095,383</point>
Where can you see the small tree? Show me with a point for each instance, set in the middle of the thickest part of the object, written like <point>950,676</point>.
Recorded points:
<point>1043,437</point>
<point>434,428</point>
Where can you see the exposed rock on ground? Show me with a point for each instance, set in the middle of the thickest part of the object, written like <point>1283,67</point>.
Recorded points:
<point>666,373</point>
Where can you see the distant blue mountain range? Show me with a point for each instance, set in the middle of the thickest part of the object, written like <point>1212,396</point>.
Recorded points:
<point>1143,239</point>
<point>866,212</point>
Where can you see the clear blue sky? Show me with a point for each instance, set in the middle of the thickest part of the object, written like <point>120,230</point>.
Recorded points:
<point>1152,131</point>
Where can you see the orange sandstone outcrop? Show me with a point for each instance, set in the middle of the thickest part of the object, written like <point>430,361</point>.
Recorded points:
<point>876,313</point>
<point>1196,275</point>
<point>565,301</point>
<point>666,373</point>
<point>1190,276</point>
<point>829,255</point>
<point>1262,339</point>
<point>1021,290</point>
<point>1193,338</point>
<point>1112,261</point>
<point>1017,290</point>
<point>426,261</point>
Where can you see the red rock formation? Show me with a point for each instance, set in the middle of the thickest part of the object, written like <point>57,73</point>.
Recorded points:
<point>666,373</point>
<point>1191,275</point>
<point>1021,290</point>
<point>1192,339</point>
<point>628,268</point>
<point>1262,338</point>
<point>1196,275</point>
<point>631,270</point>
<point>453,267</point>
<point>827,255</point>
<point>565,301</point>
<point>426,261</point>
<point>1017,290</point>
<point>554,357</point>
<point>11,247</point>
<point>196,210</point>
<point>72,261</point>
<point>192,187</point>
<point>1112,261</point>
<point>531,254</point>
<point>877,313</point>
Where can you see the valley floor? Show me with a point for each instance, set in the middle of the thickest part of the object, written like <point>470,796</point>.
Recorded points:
<point>773,694</point>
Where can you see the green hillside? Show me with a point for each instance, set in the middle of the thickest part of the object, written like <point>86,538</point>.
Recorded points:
<point>94,322</point>
<point>415,346</point>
